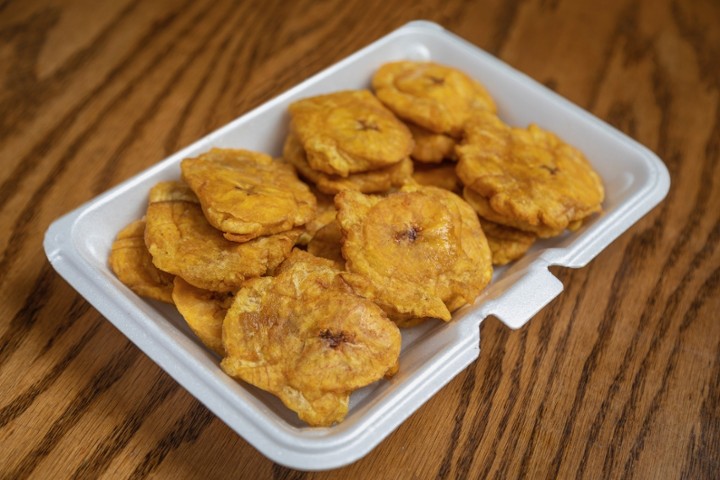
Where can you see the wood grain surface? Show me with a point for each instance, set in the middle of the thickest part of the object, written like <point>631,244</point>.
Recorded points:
<point>619,377</point>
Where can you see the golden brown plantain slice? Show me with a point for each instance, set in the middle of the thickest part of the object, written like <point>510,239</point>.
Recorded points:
<point>132,264</point>
<point>417,253</point>
<point>203,311</point>
<point>374,181</point>
<point>431,147</point>
<point>325,214</point>
<point>248,194</point>
<point>441,176</point>
<point>526,178</point>
<point>349,132</point>
<point>304,336</point>
<point>485,211</point>
<point>433,96</point>
<point>327,243</point>
<point>183,243</point>
<point>506,243</point>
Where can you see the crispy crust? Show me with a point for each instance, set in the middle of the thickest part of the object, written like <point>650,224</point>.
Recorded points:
<point>506,243</point>
<point>374,181</point>
<point>325,214</point>
<point>203,311</point>
<point>248,194</point>
<point>431,147</point>
<point>438,175</point>
<point>526,178</point>
<point>433,96</point>
<point>304,336</point>
<point>183,243</point>
<point>132,264</point>
<point>417,253</point>
<point>327,243</point>
<point>349,132</point>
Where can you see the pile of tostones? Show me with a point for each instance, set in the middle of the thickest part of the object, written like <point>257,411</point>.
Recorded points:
<point>413,193</point>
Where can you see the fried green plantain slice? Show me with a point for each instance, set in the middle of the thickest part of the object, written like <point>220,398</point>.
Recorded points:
<point>183,243</point>
<point>417,253</point>
<point>132,264</point>
<point>248,194</point>
<point>305,337</point>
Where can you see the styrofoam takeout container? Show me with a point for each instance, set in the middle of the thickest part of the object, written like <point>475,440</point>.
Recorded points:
<point>78,245</point>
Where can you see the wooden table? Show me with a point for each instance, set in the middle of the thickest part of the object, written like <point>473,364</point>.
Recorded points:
<point>617,377</point>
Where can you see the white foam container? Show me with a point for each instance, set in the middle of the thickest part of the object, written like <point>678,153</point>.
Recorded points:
<point>78,244</point>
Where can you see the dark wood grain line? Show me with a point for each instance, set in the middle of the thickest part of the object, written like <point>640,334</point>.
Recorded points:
<point>645,324</point>
<point>297,33</point>
<point>708,290</point>
<point>241,64</point>
<point>660,329</point>
<point>662,92</point>
<point>338,29</point>
<point>310,62</point>
<point>106,174</point>
<point>381,17</point>
<point>385,20</point>
<point>488,389</point>
<point>690,229</point>
<point>551,83</point>
<point>78,308</point>
<point>504,22</point>
<point>186,430</point>
<point>660,335</point>
<point>232,67</point>
<point>25,223</point>
<point>26,317</point>
<point>254,55</point>
<point>424,11</point>
<point>257,54</point>
<point>625,29</point>
<point>671,154</point>
<point>28,93</point>
<point>696,35</point>
<point>171,139</point>
<point>549,5</point>
<point>635,47</point>
<point>388,18</point>
<point>468,385</point>
<point>531,444</point>
<point>712,147</point>
<point>634,256</point>
<point>27,39</point>
<point>703,455</point>
<point>621,117</point>
<point>268,27</point>
<point>211,120</point>
<point>283,473</point>
<point>508,409</point>
<point>560,352</point>
<point>452,15</point>
<point>508,459</point>
<point>100,382</point>
<point>663,97</point>
<point>29,163</point>
<point>690,460</point>
<point>113,444</point>
<point>23,401</point>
